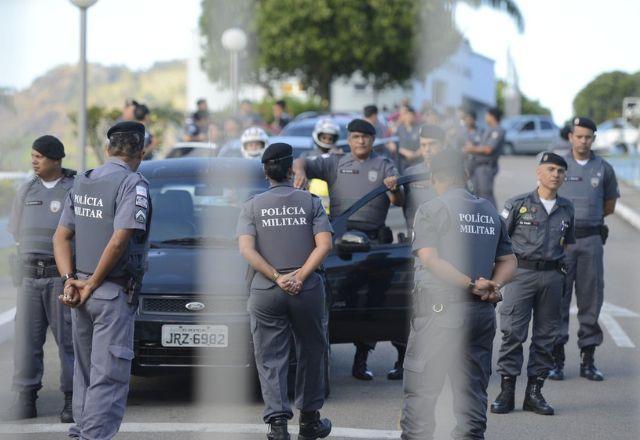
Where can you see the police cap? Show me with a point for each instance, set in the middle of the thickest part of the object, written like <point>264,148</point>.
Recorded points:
<point>49,146</point>
<point>584,122</point>
<point>430,131</point>
<point>550,157</point>
<point>361,126</point>
<point>449,160</point>
<point>276,152</point>
<point>127,127</point>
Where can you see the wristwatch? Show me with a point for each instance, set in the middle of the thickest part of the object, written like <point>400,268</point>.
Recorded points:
<point>471,286</point>
<point>68,276</point>
<point>276,275</point>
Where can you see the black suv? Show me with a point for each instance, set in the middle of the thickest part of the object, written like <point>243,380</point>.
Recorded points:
<point>193,303</point>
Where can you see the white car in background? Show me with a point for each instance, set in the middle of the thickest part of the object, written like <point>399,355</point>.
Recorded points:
<point>529,134</point>
<point>616,136</point>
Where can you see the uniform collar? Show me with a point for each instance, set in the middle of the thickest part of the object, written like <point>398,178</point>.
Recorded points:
<point>282,184</point>
<point>570,156</point>
<point>118,161</point>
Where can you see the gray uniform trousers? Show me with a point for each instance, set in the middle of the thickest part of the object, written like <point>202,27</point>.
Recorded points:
<point>103,344</point>
<point>585,271</point>
<point>37,308</point>
<point>274,316</point>
<point>540,292</point>
<point>483,178</point>
<point>457,342</point>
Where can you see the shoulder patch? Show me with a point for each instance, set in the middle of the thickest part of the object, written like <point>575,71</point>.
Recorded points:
<point>494,135</point>
<point>505,214</point>
<point>142,202</point>
<point>141,190</point>
<point>141,216</point>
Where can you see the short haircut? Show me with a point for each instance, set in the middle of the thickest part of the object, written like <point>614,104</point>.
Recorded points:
<point>495,112</point>
<point>278,170</point>
<point>140,112</point>
<point>127,144</point>
<point>370,110</point>
<point>282,103</point>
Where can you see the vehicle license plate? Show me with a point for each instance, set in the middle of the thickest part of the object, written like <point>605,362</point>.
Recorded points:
<point>195,336</point>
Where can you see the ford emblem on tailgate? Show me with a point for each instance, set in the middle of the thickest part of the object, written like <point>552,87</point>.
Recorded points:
<point>195,306</point>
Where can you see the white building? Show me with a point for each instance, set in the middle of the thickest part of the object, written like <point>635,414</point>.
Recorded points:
<point>465,78</point>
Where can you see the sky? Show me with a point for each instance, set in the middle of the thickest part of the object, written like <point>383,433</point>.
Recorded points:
<point>566,43</point>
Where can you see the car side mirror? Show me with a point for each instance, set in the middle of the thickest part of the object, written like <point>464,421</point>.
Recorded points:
<point>353,241</point>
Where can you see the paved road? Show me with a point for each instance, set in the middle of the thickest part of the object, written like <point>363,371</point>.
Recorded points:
<point>169,406</point>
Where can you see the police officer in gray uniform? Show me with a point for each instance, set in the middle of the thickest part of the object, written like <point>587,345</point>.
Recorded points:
<point>540,224</point>
<point>432,139</point>
<point>34,217</point>
<point>349,177</point>
<point>285,235</point>
<point>486,155</point>
<point>592,187</point>
<point>106,216</point>
<point>465,257</point>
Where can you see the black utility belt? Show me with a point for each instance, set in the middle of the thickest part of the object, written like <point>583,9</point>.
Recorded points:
<point>588,231</point>
<point>29,271</point>
<point>539,264</point>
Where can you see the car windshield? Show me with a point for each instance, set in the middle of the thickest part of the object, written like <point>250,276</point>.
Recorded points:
<point>306,126</point>
<point>192,212</point>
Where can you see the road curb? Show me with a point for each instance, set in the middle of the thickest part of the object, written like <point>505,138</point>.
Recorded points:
<point>628,214</point>
<point>7,319</point>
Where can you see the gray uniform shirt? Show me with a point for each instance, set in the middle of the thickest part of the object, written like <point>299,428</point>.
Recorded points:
<point>132,199</point>
<point>588,186</point>
<point>467,232</point>
<point>349,179</point>
<point>492,137</point>
<point>535,234</point>
<point>418,192</point>
<point>17,209</point>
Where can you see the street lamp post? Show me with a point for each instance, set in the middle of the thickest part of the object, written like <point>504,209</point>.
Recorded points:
<point>83,5</point>
<point>234,40</point>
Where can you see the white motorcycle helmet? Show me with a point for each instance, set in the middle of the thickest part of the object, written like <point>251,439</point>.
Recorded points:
<point>250,136</point>
<point>326,126</point>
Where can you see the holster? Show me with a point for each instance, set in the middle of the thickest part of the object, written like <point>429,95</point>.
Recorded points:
<point>604,233</point>
<point>132,290</point>
<point>385,235</point>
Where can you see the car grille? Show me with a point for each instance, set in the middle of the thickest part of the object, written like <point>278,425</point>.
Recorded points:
<point>177,305</point>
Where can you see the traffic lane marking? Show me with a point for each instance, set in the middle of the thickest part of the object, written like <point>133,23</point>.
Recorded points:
<point>608,313</point>
<point>218,428</point>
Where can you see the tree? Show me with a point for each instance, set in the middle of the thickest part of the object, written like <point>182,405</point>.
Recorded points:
<point>527,106</point>
<point>218,16</point>
<point>318,41</point>
<point>601,99</point>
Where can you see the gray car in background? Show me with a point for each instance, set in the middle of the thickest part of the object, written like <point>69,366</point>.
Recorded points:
<point>529,134</point>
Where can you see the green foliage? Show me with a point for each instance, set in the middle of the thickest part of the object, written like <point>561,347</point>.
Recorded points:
<point>527,106</point>
<point>321,40</point>
<point>601,99</point>
<point>294,107</point>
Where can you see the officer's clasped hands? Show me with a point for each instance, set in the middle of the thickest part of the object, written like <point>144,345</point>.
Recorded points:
<point>76,293</point>
<point>289,283</point>
<point>487,290</point>
<point>391,182</point>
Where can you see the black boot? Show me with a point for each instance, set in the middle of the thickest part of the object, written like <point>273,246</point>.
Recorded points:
<point>66,416</point>
<point>505,402</point>
<point>588,368</point>
<point>312,426</point>
<point>278,429</point>
<point>24,407</point>
<point>397,372</point>
<point>557,372</point>
<point>359,370</point>
<point>533,398</point>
